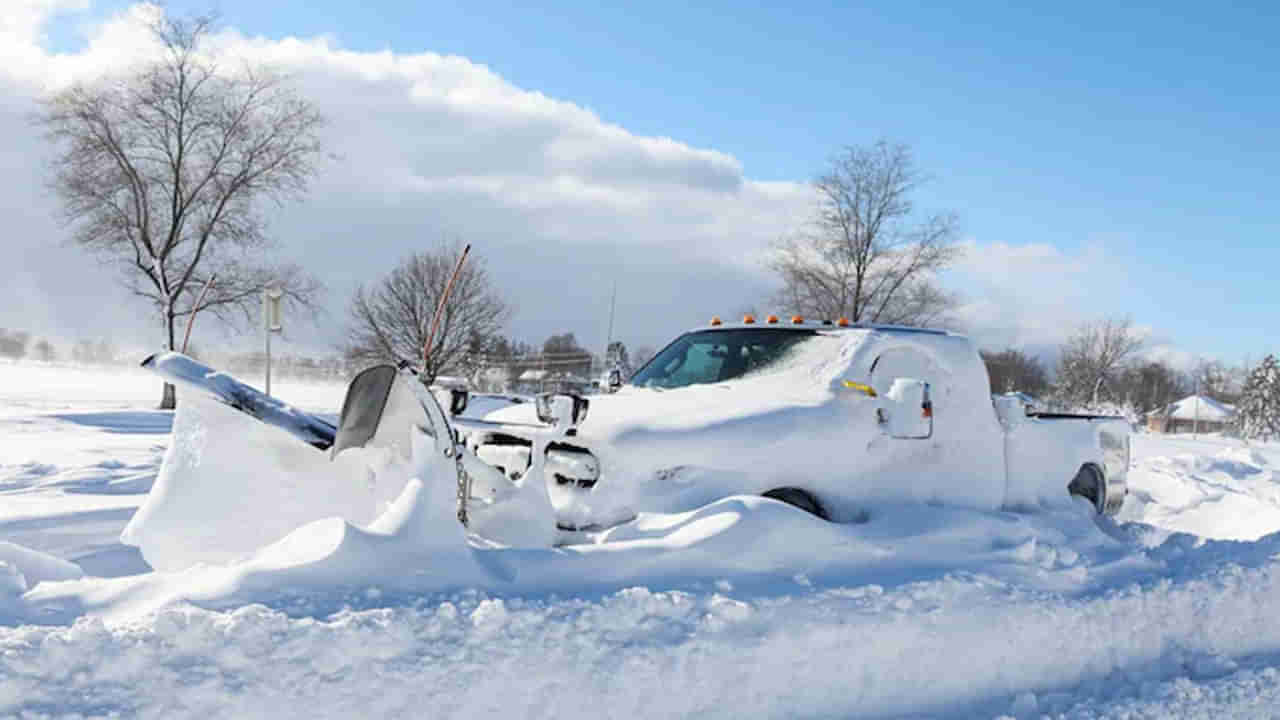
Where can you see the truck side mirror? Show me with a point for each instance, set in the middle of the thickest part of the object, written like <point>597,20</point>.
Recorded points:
<point>910,409</point>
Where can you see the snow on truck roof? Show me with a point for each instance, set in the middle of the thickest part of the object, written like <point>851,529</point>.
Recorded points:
<point>772,323</point>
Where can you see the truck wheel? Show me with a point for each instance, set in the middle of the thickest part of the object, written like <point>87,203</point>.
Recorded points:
<point>1089,484</point>
<point>796,497</point>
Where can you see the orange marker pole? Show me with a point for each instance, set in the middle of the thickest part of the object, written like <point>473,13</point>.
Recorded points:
<point>195,309</point>
<point>435,320</point>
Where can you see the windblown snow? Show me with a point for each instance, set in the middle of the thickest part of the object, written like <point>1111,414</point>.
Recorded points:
<point>743,607</point>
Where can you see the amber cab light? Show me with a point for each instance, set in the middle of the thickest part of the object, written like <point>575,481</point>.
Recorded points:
<point>715,320</point>
<point>843,322</point>
<point>797,320</point>
<point>772,319</point>
<point>748,319</point>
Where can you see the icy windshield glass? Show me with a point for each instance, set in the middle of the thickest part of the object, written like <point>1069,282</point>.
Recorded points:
<point>713,356</point>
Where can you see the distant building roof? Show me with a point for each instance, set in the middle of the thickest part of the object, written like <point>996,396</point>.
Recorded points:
<point>1199,406</point>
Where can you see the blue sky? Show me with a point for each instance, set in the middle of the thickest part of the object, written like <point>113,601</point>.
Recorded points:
<point>1149,132</point>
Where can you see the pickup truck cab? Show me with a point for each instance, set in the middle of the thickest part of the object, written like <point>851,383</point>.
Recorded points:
<point>831,419</point>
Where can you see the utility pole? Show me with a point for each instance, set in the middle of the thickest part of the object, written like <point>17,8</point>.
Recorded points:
<point>1195,423</point>
<point>270,324</point>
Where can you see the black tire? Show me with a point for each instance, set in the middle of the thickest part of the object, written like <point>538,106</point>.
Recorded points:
<point>1089,484</point>
<point>796,497</point>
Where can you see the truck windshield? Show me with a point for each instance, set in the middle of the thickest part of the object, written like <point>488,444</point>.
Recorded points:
<point>712,356</point>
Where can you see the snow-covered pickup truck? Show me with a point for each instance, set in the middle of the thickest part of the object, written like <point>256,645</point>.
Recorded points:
<point>833,420</point>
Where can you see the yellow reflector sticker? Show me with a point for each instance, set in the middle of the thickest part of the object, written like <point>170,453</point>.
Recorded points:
<point>870,391</point>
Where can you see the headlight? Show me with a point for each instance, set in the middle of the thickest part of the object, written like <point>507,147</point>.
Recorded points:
<point>571,465</point>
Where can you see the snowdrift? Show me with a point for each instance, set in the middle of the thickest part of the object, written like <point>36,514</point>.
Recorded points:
<point>1213,487</point>
<point>229,487</point>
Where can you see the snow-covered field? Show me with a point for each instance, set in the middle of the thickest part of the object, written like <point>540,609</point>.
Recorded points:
<point>744,608</point>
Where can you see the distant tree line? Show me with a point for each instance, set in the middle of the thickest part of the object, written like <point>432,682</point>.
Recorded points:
<point>1100,367</point>
<point>13,343</point>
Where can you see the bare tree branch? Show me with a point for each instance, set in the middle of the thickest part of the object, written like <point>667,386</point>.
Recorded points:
<point>1093,360</point>
<point>866,255</point>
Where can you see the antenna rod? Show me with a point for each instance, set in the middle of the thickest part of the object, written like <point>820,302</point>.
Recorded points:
<point>613,302</point>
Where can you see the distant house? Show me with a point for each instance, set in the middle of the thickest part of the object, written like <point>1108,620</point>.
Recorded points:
<point>1195,413</point>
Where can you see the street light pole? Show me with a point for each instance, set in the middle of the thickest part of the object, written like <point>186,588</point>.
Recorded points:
<point>271,324</point>
<point>1195,423</point>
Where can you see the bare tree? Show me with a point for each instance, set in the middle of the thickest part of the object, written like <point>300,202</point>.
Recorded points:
<point>390,321</point>
<point>868,255</point>
<point>161,171</point>
<point>1093,359</point>
<point>1152,386</point>
<point>45,351</point>
<point>1213,379</point>
<point>14,344</point>
<point>1013,370</point>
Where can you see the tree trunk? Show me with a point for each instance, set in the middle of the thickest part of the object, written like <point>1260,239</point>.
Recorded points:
<point>169,400</point>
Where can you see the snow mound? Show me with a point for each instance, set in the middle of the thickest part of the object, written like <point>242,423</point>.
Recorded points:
<point>24,568</point>
<point>224,492</point>
<point>1213,487</point>
<point>1245,457</point>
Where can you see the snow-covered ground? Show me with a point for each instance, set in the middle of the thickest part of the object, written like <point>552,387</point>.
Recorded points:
<point>743,608</point>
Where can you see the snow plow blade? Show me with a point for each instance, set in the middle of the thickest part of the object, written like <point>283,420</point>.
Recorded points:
<point>363,407</point>
<point>187,373</point>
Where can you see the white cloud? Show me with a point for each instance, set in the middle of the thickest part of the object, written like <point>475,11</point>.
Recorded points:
<point>1035,295</point>
<point>22,21</point>
<point>559,201</point>
<point>1029,295</point>
<point>431,145</point>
